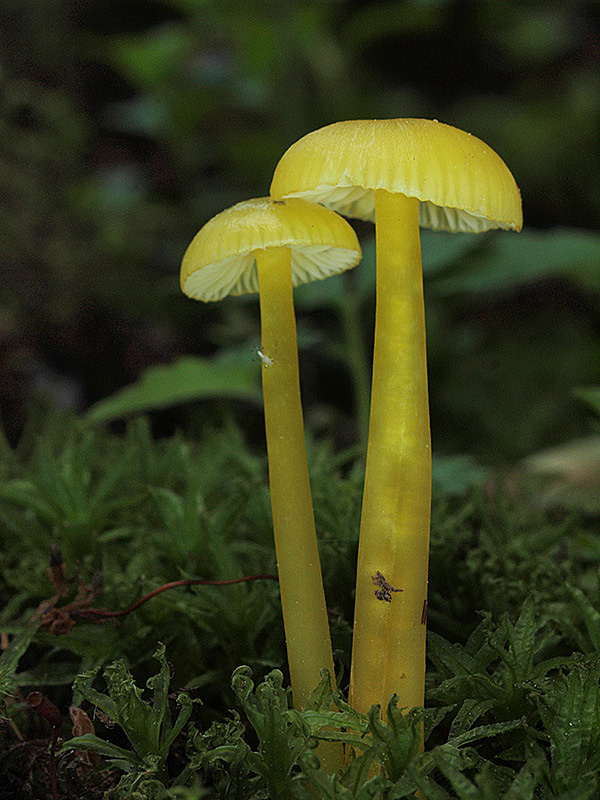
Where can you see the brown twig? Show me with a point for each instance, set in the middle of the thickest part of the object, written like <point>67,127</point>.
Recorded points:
<point>102,613</point>
<point>46,709</point>
<point>61,620</point>
<point>56,571</point>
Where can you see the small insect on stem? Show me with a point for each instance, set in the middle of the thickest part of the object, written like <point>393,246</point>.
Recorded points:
<point>384,588</point>
<point>268,362</point>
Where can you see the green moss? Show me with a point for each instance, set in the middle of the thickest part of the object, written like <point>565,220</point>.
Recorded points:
<point>514,624</point>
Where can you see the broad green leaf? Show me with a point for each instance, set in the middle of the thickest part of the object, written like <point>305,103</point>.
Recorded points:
<point>150,57</point>
<point>325,293</point>
<point>591,396</point>
<point>455,475</point>
<point>510,260</point>
<point>440,250</point>
<point>185,380</point>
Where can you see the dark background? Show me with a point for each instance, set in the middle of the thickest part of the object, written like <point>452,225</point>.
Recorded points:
<point>126,124</point>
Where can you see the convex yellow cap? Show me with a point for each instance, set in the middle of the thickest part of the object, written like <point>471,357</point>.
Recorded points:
<point>463,185</point>
<point>221,258</point>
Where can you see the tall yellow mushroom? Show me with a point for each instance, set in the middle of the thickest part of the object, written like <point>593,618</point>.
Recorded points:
<point>269,246</point>
<point>399,173</point>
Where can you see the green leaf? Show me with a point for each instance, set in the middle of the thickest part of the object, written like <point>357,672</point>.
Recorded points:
<point>591,396</point>
<point>570,710</point>
<point>326,293</point>
<point>521,642</point>
<point>147,725</point>
<point>568,475</point>
<point>282,735</point>
<point>330,787</point>
<point>441,250</point>
<point>524,785</point>
<point>27,495</point>
<point>149,58</point>
<point>321,696</point>
<point>485,732</point>
<point>399,738</point>
<point>512,260</point>
<point>187,379</point>
<point>468,713</point>
<point>125,759</point>
<point>159,684</point>
<point>448,764</point>
<point>462,660</point>
<point>186,704</point>
<point>455,475</point>
<point>10,657</point>
<point>83,685</point>
<point>134,715</point>
<point>587,614</point>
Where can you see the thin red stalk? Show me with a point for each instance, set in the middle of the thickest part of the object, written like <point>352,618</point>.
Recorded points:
<point>53,784</point>
<point>46,709</point>
<point>88,613</point>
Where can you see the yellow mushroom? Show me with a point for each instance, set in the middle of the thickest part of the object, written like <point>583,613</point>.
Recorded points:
<point>267,247</point>
<point>399,173</point>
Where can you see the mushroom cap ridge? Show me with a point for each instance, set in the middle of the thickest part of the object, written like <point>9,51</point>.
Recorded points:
<point>462,184</point>
<point>221,258</point>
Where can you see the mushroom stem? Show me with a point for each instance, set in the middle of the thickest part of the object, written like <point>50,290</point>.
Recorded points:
<point>300,581</point>
<point>388,652</point>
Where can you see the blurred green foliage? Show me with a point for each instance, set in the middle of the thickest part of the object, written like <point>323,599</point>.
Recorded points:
<point>126,124</point>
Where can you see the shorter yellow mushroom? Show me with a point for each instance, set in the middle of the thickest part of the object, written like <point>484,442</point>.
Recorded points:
<point>269,246</point>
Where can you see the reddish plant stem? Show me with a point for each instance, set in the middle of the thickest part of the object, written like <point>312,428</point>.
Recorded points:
<point>53,784</point>
<point>101,613</point>
<point>46,709</point>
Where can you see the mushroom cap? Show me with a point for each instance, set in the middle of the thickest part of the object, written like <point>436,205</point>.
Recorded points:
<point>462,184</point>
<point>221,259</point>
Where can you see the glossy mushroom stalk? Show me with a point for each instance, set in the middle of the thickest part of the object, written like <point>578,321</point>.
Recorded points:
<point>388,653</point>
<point>356,167</point>
<point>301,586</point>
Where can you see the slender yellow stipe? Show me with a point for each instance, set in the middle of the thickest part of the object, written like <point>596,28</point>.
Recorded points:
<point>388,654</point>
<point>298,566</point>
<point>300,584</point>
